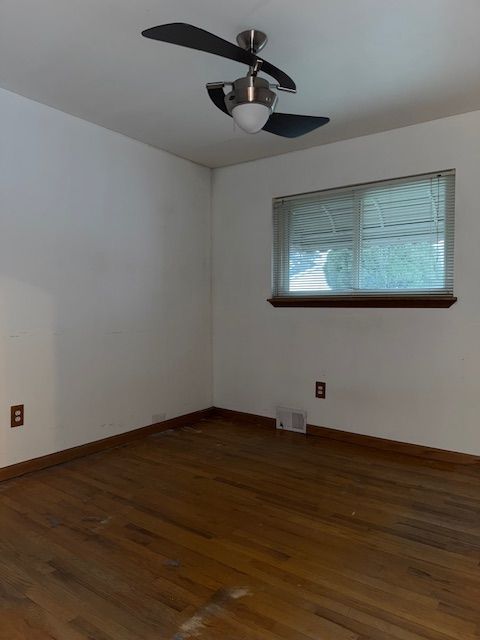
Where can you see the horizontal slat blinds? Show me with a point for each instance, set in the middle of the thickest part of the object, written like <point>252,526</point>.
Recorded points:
<point>386,238</point>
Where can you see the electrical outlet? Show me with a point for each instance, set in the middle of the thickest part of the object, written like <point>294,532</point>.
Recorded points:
<point>320,389</point>
<point>16,415</point>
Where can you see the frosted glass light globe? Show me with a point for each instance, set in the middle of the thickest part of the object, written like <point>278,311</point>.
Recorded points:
<point>251,116</point>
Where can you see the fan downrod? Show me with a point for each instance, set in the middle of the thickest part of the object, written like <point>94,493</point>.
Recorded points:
<point>252,40</point>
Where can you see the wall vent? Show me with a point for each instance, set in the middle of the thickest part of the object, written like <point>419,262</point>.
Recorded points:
<point>291,420</point>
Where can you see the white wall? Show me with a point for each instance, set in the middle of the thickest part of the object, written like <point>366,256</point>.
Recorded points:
<point>406,374</point>
<point>105,315</point>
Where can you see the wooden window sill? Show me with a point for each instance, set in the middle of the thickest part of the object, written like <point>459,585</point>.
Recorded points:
<point>405,301</point>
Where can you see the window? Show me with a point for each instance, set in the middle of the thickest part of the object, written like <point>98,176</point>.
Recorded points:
<point>386,243</point>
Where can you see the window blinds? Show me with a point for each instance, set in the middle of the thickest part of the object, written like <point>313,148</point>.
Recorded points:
<point>386,238</point>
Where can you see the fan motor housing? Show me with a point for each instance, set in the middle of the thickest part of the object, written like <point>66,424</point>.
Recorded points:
<point>250,89</point>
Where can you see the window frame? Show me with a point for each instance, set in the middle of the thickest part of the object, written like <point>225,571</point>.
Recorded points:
<point>421,299</point>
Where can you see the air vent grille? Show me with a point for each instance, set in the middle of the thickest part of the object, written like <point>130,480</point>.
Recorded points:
<point>291,420</point>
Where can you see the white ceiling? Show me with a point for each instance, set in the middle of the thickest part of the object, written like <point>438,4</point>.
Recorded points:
<point>370,65</point>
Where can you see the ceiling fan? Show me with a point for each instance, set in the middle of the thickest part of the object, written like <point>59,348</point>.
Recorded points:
<point>251,100</point>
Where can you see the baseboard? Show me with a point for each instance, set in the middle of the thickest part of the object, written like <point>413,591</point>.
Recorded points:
<point>373,442</point>
<point>52,459</point>
<point>241,416</point>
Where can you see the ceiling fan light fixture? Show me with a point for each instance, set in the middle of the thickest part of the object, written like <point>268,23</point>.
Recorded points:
<point>250,103</point>
<point>251,117</point>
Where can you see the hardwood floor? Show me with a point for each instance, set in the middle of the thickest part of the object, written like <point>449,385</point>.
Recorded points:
<point>227,531</point>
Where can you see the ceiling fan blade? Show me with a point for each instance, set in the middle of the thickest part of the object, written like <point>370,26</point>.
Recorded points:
<point>289,125</point>
<point>186,35</point>
<point>217,96</point>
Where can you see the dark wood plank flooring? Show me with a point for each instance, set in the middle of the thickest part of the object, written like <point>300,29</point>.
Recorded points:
<point>227,531</point>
